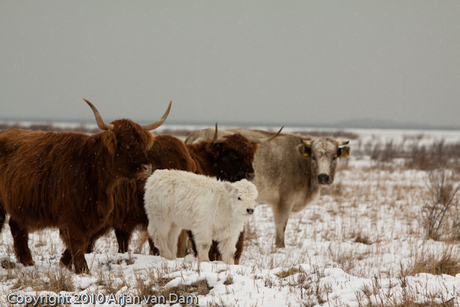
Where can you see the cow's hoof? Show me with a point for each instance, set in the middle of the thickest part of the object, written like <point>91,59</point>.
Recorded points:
<point>26,261</point>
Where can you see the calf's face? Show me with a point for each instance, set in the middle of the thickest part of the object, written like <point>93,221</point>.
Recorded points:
<point>243,195</point>
<point>323,154</point>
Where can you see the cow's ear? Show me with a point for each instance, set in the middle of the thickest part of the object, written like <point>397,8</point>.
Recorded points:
<point>343,152</point>
<point>304,150</point>
<point>110,141</point>
<point>228,187</point>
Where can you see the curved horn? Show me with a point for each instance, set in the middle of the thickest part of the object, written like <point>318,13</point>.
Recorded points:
<point>99,121</point>
<point>265,140</point>
<point>216,139</point>
<point>159,122</point>
<point>343,143</point>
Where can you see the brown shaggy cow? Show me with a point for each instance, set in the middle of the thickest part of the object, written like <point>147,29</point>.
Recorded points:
<point>65,180</point>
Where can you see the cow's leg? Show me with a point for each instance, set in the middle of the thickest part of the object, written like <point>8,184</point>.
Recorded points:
<point>281,216</point>
<point>66,259</point>
<point>21,247</point>
<point>203,250</point>
<point>91,243</point>
<point>2,215</point>
<point>239,247</point>
<point>123,239</point>
<point>95,237</point>
<point>144,236</point>
<point>76,242</point>
<point>141,239</point>
<point>192,239</point>
<point>159,233</point>
<point>164,249</point>
<point>173,236</point>
<point>203,241</point>
<point>153,249</point>
<point>182,244</point>
<point>214,253</point>
<point>227,248</point>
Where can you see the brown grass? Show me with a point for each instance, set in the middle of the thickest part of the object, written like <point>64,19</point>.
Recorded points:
<point>375,295</point>
<point>289,272</point>
<point>445,262</point>
<point>442,204</point>
<point>56,281</point>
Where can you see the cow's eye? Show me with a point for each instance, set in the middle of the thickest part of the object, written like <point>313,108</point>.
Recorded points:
<point>334,158</point>
<point>239,198</point>
<point>314,158</point>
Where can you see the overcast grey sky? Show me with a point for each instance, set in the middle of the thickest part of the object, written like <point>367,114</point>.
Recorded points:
<point>248,62</point>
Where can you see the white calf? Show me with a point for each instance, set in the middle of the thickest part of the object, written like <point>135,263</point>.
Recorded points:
<point>211,209</point>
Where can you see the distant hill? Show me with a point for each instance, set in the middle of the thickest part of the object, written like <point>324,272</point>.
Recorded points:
<point>351,123</point>
<point>386,124</point>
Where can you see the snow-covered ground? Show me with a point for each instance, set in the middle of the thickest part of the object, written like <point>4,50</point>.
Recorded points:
<point>358,246</point>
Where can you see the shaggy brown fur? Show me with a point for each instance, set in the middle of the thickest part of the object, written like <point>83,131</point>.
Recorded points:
<point>65,180</point>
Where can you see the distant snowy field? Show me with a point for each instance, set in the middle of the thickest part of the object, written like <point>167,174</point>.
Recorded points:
<point>355,247</point>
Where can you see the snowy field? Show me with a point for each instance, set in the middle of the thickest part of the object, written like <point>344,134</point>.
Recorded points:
<point>364,243</point>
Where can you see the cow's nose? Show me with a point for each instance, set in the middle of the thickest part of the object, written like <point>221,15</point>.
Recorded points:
<point>250,176</point>
<point>250,211</point>
<point>323,178</point>
<point>146,169</point>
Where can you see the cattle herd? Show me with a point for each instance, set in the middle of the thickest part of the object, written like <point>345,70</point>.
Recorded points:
<point>124,178</point>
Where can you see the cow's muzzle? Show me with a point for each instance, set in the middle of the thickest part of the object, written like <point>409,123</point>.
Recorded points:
<point>250,176</point>
<point>146,170</point>
<point>324,179</point>
<point>250,211</point>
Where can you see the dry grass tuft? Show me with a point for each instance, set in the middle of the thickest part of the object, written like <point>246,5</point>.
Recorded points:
<point>442,204</point>
<point>52,280</point>
<point>447,262</point>
<point>289,272</point>
<point>229,280</point>
<point>437,155</point>
<point>376,295</point>
<point>363,239</point>
<point>198,288</point>
<point>60,280</point>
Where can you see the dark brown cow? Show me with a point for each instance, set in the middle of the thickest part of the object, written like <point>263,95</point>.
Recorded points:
<point>65,180</point>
